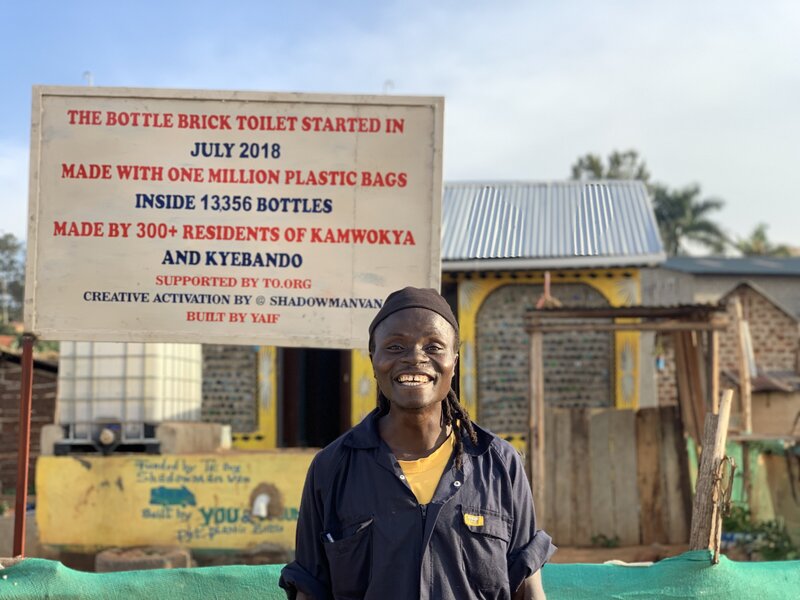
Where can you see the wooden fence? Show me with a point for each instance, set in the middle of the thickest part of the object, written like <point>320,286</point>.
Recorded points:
<point>615,476</point>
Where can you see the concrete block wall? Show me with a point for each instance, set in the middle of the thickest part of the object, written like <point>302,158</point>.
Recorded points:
<point>42,413</point>
<point>578,366</point>
<point>230,386</point>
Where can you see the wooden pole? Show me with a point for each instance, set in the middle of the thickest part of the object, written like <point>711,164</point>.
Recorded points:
<point>744,367</point>
<point>706,516</point>
<point>530,441</point>
<point>650,326</point>
<point>536,458</point>
<point>745,395</point>
<point>696,385</point>
<point>713,370</point>
<point>23,454</point>
<point>692,418</point>
<point>747,482</point>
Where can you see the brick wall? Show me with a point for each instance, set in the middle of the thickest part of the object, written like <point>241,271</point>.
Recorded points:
<point>230,386</point>
<point>774,333</point>
<point>578,366</point>
<point>42,413</point>
<point>666,382</point>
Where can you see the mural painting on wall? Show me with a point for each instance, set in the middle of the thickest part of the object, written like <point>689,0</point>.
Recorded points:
<point>204,502</point>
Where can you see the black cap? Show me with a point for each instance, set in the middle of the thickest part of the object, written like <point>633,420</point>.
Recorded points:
<point>411,297</point>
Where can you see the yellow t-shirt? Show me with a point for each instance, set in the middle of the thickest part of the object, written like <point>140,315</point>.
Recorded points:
<point>423,474</point>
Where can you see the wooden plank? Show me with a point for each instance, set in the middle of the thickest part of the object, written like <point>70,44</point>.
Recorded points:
<point>747,476</point>
<point>581,491</point>
<point>534,364</point>
<point>675,477</point>
<point>694,313</point>
<point>745,389</point>
<point>600,476</point>
<point>549,492</point>
<point>694,363</point>
<point>687,410</point>
<point>713,370</point>
<point>537,460</point>
<point>702,520</point>
<point>694,405</point>
<point>622,429</point>
<point>649,476</point>
<point>563,482</point>
<point>665,327</point>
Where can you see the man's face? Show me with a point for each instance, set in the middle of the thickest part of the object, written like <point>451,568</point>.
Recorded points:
<point>414,357</point>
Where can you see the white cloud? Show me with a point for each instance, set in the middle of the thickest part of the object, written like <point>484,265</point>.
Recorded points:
<point>707,92</point>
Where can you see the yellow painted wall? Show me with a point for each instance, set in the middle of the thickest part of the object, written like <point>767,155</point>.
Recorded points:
<point>621,287</point>
<point>199,501</point>
<point>363,389</point>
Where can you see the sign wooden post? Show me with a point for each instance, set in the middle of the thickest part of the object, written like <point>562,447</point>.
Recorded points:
<point>23,453</point>
<point>536,432</point>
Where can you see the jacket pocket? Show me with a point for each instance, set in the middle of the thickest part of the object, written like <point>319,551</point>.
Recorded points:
<point>350,561</point>
<point>484,546</point>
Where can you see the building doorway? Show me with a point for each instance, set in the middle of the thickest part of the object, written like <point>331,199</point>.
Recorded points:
<point>314,396</point>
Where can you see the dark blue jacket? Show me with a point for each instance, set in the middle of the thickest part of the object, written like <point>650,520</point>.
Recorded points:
<point>362,534</point>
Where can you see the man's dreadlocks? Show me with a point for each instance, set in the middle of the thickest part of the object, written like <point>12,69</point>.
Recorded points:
<point>453,413</point>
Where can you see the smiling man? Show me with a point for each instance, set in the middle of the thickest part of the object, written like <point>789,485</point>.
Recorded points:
<point>417,501</point>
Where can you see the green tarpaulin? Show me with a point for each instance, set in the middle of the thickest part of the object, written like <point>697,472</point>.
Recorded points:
<point>689,575</point>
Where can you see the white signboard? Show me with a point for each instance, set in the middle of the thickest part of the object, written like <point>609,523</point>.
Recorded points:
<point>228,217</point>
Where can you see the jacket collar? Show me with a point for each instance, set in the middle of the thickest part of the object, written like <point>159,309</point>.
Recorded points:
<point>365,435</point>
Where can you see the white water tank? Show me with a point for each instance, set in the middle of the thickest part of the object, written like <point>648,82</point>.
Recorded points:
<point>128,383</point>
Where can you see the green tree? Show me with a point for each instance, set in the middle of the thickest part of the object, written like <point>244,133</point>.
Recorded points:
<point>684,217</point>
<point>758,244</point>
<point>12,279</point>
<point>620,165</point>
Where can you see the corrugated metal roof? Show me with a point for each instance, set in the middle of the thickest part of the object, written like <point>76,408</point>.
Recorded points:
<point>750,265</point>
<point>549,224</point>
<point>769,381</point>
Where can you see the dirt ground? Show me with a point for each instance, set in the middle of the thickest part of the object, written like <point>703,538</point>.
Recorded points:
<point>32,546</point>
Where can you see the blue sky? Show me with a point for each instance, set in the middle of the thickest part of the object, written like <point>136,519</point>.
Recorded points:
<point>708,92</point>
